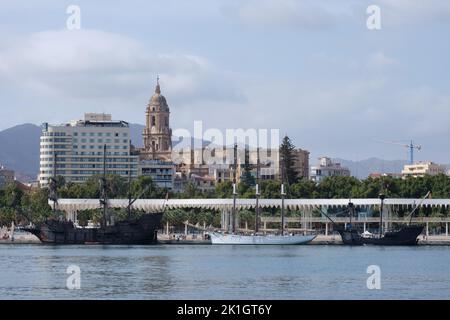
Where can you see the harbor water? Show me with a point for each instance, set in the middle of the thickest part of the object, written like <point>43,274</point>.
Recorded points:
<point>223,272</point>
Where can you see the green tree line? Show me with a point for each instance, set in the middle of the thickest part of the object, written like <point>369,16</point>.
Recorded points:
<point>24,206</point>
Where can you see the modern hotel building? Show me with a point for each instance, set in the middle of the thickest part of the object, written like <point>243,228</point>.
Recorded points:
<point>78,147</point>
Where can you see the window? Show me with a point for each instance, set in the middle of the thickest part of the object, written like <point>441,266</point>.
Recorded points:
<point>153,121</point>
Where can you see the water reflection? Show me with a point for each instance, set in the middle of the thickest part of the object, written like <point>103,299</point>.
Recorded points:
<point>223,272</point>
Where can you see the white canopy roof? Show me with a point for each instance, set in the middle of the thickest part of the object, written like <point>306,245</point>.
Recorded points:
<point>70,205</point>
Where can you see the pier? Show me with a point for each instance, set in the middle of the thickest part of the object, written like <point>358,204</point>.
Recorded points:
<point>304,222</point>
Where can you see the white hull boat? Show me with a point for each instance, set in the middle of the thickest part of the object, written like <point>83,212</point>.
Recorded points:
<point>219,238</point>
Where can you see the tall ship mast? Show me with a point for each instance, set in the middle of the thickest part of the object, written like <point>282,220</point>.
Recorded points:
<point>138,228</point>
<point>257,194</point>
<point>236,238</point>
<point>402,236</point>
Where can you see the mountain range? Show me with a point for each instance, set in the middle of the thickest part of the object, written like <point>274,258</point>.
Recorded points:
<point>363,168</point>
<point>19,150</point>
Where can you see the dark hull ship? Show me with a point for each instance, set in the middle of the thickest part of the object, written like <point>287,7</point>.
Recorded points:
<point>142,230</point>
<point>350,237</point>
<point>405,236</point>
<point>139,231</point>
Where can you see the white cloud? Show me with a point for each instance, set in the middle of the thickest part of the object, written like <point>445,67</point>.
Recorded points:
<point>284,13</point>
<point>418,12</point>
<point>92,65</point>
<point>380,60</point>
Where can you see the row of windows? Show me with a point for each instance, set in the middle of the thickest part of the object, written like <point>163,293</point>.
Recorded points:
<point>155,170</point>
<point>59,153</point>
<point>86,172</point>
<point>101,147</point>
<point>162,177</point>
<point>78,178</point>
<point>101,140</point>
<point>55,139</point>
<point>77,159</point>
<point>56,146</point>
<point>54,134</point>
<point>91,166</point>
<point>52,153</point>
<point>100,134</point>
<point>101,153</point>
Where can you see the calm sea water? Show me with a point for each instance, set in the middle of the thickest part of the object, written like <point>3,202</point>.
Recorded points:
<point>223,272</point>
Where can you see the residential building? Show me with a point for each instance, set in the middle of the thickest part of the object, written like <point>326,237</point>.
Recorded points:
<point>301,163</point>
<point>421,169</point>
<point>161,172</point>
<point>193,161</point>
<point>77,148</point>
<point>327,168</point>
<point>222,174</point>
<point>6,176</point>
<point>376,175</point>
<point>179,182</point>
<point>203,183</point>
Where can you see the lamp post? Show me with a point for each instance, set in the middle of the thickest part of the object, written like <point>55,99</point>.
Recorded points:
<point>282,208</point>
<point>382,197</point>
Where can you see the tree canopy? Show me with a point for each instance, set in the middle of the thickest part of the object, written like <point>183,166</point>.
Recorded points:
<point>287,161</point>
<point>24,206</point>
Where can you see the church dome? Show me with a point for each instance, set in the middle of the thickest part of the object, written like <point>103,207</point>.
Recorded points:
<point>158,100</point>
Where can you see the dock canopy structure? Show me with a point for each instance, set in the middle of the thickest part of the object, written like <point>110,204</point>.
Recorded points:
<point>151,205</point>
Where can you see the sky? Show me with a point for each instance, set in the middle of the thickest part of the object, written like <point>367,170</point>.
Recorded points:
<point>311,69</point>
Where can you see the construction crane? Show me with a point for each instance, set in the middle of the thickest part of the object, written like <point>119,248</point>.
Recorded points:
<point>411,146</point>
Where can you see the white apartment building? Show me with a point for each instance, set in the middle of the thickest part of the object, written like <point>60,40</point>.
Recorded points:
<point>327,168</point>
<point>161,172</point>
<point>421,169</point>
<point>78,147</point>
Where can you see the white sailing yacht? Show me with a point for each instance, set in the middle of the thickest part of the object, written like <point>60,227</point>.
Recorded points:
<point>255,239</point>
<point>220,238</point>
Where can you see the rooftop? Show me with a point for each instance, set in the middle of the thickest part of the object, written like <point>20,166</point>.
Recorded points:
<point>92,120</point>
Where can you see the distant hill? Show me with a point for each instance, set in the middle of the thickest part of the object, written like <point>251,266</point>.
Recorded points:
<point>136,134</point>
<point>19,150</point>
<point>363,168</point>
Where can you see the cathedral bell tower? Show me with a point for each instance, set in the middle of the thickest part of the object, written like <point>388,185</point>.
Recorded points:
<point>157,134</point>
